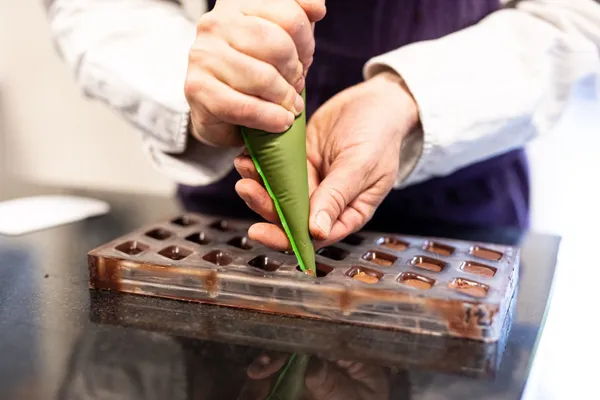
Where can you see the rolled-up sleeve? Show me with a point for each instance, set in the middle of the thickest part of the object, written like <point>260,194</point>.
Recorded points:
<point>496,85</point>
<point>132,55</point>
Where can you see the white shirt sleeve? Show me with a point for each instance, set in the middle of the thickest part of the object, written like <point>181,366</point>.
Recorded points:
<point>133,55</point>
<point>496,85</point>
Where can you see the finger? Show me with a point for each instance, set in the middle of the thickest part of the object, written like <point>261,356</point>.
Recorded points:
<point>246,74</point>
<point>246,168</point>
<point>313,178</point>
<point>326,382</point>
<point>315,9</point>
<point>290,16</point>
<point>214,101</point>
<point>257,198</point>
<point>269,235</point>
<point>266,365</point>
<point>339,188</point>
<point>266,41</point>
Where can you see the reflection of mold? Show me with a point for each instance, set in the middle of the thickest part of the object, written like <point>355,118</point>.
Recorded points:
<point>416,281</point>
<point>470,288</point>
<point>354,240</point>
<point>484,253</point>
<point>428,263</point>
<point>365,275</point>
<point>184,221</point>
<point>392,243</point>
<point>176,253</point>
<point>159,234</point>
<point>221,225</point>
<point>241,242</point>
<point>478,269</point>
<point>265,263</point>
<point>334,253</point>
<point>218,257</point>
<point>379,258</point>
<point>438,248</point>
<point>132,247</point>
<point>322,269</point>
<point>198,238</point>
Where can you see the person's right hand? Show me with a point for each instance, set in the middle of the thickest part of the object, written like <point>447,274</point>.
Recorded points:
<point>247,67</point>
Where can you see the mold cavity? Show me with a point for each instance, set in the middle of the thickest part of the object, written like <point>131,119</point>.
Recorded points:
<point>175,252</point>
<point>365,275</point>
<point>334,253</point>
<point>218,257</point>
<point>438,248</point>
<point>379,258</point>
<point>159,234</point>
<point>484,253</point>
<point>133,247</point>
<point>416,281</point>
<point>478,269</point>
<point>241,242</point>
<point>353,240</point>
<point>322,270</point>
<point>184,221</point>
<point>392,243</point>
<point>428,263</point>
<point>265,263</point>
<point>198,238</point>
<point>221,225</point>
<point>471,288</point>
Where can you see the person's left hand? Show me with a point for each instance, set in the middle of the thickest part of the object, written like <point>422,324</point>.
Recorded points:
<point>353,149</point>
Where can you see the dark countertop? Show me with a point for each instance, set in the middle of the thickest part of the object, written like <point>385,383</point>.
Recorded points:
<point>60,340</point>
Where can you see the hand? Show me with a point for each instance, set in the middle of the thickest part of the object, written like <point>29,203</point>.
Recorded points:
<point>353,148</point>
<point>247,67</point>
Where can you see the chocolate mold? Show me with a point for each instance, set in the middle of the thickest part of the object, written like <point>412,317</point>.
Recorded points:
<point>422,285</point>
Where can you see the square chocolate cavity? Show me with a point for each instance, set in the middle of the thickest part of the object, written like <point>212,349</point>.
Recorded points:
<point>428,263</point>
<point>265,263</point>
<point>221,225</point>
<point>415,280</point>
<point>184,221</point>
<point>200,238</point>
<point>476,268</point>
<point>334,253</point>
<point>159,234</point>
<point>322,269</point>
<point>218,257</point>
<point>439,249</point>
<point>132,247</point>
<point>175,253</point>
<point>486,254</point>
<point>392,243</point>
<point>241,242</point>
<point>365,275</point>
<point>468,287</point>
<point>379,258</point>
<point>353,240</point>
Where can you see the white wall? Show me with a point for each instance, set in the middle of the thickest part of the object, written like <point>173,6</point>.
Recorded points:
<point>53,135</point>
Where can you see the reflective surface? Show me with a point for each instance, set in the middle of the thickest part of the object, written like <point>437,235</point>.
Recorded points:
<point>59,340</point>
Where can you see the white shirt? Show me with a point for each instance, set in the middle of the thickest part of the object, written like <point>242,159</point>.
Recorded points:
<point>481,91</point>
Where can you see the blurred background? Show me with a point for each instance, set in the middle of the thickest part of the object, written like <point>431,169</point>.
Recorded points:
<point>50,134</point>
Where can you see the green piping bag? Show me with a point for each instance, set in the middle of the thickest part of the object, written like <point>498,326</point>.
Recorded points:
<point>280,159</point>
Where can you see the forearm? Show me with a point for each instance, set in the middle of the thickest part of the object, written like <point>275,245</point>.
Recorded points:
<point>132,55</point>
<point>492,87</point>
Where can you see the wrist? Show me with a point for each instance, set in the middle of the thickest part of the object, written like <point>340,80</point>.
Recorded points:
<point>393,85</point>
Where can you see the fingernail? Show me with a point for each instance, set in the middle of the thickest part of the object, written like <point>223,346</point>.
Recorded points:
<point>324,222</point>
<point>298,105</point>
<point>290,121</point>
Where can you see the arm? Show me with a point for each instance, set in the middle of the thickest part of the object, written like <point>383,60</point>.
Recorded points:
<point>133,56</point>
<point>502,82</point>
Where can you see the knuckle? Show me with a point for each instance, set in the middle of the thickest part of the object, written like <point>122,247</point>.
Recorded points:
<point>339,199</point>
<point>266,77</point>
<point>208,23</point>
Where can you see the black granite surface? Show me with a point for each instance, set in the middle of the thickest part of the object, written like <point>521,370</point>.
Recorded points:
<point>58,339</point>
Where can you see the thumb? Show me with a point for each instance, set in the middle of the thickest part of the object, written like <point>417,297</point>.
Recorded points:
<point>329,200</point>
